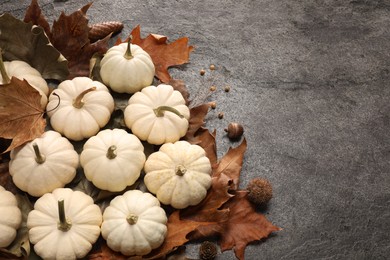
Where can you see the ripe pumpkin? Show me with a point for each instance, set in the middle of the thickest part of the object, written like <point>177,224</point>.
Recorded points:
<point>157,114</point>
<point>127,68</point>
<point>134,223</point>
<point>44,164</point>
<point>113,159</point>
<point>22,70</point>
<point>10,217</point>
<point>85,106</point>
<point>64,224</point>
<point>179,174</point>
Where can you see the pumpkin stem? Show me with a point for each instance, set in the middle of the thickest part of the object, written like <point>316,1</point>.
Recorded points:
<point>180,170</point>
<point>78,102</point>
<point>128,55</point>
<point>132,219</point>
<point>64,224</point>
<point>111,152</point>
<point>3,72</point>
<point>39,158</point>
<point>161,109</point>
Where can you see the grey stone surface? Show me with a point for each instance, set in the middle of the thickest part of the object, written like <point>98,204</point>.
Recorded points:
<point>310,83</point>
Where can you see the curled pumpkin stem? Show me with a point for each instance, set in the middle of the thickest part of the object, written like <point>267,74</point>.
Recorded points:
<point>64,224</point>
<point>3,72</point>
<point>128,55</point>
<point>161,109</point>
<point>78,102</point>
<point>39,158</point>
<point>59,102</point>
<point>111,152</point>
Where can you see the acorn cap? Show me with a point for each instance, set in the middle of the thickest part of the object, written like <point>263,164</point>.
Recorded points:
<point>259,191</point>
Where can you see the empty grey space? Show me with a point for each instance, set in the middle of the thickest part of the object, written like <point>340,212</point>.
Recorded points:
<point>310,84</point>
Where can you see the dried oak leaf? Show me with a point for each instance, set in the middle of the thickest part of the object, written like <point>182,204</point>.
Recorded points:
<point>197,120</point>
<point>105,253</point>
<point>5,177</point>
<point>244,226</point>
<point>23,41</point>
<point>163,53</point>
<point>178,232</point>
<point>204,138</point>
<point>231,164</point>
<point>225,174</point>
<point>21,115</point>
<point>69,35</point>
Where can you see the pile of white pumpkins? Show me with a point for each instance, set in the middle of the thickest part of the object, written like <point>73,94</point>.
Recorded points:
<point>64,223</point>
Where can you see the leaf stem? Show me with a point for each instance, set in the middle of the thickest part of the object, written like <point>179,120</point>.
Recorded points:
<point>39,158</point>
<point>3,72</point>
<point>78,102</point>
<point>63,224</point>
<point>159,111</point>
<point>111,152</point>
<point>128,55</point>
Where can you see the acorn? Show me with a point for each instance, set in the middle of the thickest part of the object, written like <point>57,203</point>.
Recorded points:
<point>220,115</point>
<point>202,72</point>
<point>234,131</point>
<point>207,250</point>
<point>259,191</point>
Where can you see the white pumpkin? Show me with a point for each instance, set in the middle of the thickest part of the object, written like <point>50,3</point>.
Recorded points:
<point>44,164</point>
<point>113,159</point>
<point>22,70</point>
<point>85,106</point>
<point>10,217</point>
<point>127,68</point>
<point>179,174</point>
<point>64,224</point>
<point>157,114</point>
<point>134,223</point>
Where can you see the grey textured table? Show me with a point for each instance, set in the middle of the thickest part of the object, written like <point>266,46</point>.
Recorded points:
<point>310,83</point>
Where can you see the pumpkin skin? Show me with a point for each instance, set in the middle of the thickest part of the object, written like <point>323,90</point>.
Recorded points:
<point>179,174</point>
<point>76,122</point>
<point>22,70</point>
<point>134,223</point>
<point>110,169</point>
<point>127,75</point>
<point>58,168</point>
<point>50,242</point>
<point>141,118</point>
<point>10,217</point>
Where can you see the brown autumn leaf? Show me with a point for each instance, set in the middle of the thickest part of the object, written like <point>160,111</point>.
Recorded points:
<point>178,232</point>
<point>231,164</point>
<point>105,253</point>
<point>69,35</point>
<point>163,53</point>
<point>5,177</point>
<point>34,14</point>
<point>23,41</point>
<point>197,116</point>
<point>224,176</point>
<point>204,138</point>
<point>21,115</point>
<point>245,225</point>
